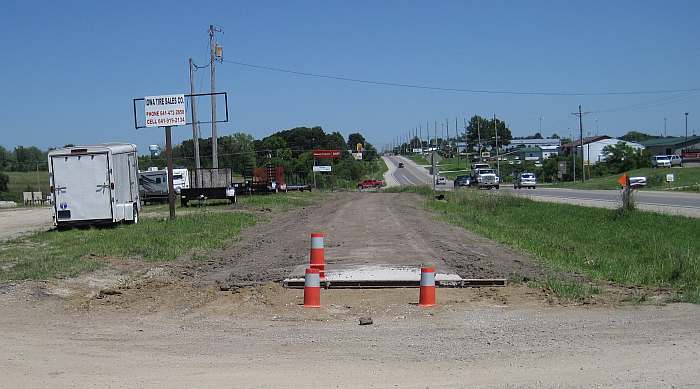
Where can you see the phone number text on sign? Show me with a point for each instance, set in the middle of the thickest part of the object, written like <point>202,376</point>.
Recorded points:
<point>165,110</point>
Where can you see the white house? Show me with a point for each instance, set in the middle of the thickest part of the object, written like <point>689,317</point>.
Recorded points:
<point>593,148</point>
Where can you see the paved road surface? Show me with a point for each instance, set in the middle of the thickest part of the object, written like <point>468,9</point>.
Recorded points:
<point>687,204</point>
<point>410,174</point>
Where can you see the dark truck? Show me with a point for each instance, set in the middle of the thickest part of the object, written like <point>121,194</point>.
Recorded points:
<point>207,184</point>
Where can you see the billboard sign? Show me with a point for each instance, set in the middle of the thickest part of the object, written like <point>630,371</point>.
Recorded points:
<point>322,168</point>
<point>326,153</point>
<point>165,110</point>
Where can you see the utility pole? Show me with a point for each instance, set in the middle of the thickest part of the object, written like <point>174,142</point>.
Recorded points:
<point>435,131</point>
<point>665,131</point>
<point>573,153</point>
<point>580,127</point>
<point>478,135</point>
<point>498,160</point>
<point>686,132</point>
<point>457,141</point>
<point>215,51</point>
<point>540,125</point>
<point>195,125</point>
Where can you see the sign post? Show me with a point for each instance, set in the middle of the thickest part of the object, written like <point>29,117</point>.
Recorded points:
<point>166,111</point>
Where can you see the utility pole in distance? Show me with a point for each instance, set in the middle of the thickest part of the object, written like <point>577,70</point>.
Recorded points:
<point>498,160</point>
<point>215,52</point>
<point>195,125</point>
<point>686,131</point>
<point>580,127</point>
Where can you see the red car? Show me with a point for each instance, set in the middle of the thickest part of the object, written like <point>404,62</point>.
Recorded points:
<point>367,184</point>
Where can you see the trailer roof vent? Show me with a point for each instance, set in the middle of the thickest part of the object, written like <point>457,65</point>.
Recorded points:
<point>78,151</point>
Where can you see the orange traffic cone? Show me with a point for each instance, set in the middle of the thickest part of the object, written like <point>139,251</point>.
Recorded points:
<point>312,289</point>
<point>318,260</point>
<point>427,287</point>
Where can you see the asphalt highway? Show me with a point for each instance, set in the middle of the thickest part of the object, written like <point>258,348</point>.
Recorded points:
<point>687,204</point>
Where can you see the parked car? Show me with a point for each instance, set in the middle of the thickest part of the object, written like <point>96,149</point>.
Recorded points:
<point>462,181</point>
<point>638,182</point>
<point>367,184</point>
<point>660,161</point>
<point>441,181</point>
<point>525,180</point>
<point>400,165</point>
<point>676,160</point>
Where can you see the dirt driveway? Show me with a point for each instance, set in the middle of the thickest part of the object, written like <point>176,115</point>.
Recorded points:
<point>367,228</point>
<point>18,221</point>
<point>141,325</point>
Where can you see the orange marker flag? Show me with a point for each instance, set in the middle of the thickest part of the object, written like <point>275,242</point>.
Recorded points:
<point>624,180</point>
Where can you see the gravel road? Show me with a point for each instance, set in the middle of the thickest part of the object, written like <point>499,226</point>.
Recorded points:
<point>18,221</point>
<point>481,344</point>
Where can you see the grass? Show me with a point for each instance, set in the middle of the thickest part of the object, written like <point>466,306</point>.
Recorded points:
<point>68,253</point>
<point>419,159</point>
<point>639,248</point>
<point>19,181</point>
<point>656,179</point>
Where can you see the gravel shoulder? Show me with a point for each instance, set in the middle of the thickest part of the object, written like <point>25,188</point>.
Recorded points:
<point>18,221</point>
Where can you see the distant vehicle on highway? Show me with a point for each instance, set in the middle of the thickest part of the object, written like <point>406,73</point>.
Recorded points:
<point>368,184</point>
<point>525,180</point>
<point>400,164</point>
<point>676,160</point>
<point>660,161</point>
<point>462,181</point>
<point>441,181</point>
<point>485,178</point>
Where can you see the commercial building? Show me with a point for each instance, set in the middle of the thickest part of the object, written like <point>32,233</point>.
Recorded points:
<point>593,147</point>
<point>672,145</point>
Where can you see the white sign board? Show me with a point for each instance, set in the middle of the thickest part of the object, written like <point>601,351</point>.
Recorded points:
<point>670,178</point>
<point>322,168</point>
<point>165,110</point>
<point>357,156</point>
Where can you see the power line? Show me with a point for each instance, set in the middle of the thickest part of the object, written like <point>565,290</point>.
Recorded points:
<point>462,90</point>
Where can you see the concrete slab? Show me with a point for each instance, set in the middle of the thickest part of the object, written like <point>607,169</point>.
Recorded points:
<point>380,276</point>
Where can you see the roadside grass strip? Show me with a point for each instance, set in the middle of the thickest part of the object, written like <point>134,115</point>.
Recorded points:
<point>686,178</point>
<point>68,253</point>
<point>634,249</point>
<point>279,201</point>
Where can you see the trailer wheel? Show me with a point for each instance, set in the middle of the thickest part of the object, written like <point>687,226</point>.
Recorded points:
<point>135,219</point>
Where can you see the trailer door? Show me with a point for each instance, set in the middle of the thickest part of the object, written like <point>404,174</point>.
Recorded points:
<point>82,187</point>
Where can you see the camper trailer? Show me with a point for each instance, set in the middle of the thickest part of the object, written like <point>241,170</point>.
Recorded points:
<point>94,184</point>
<point>153,185</point>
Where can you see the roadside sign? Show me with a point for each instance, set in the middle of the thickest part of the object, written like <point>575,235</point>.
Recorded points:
<point>670,178</point>
<point>358,147</point>
<point>357,156</point>
<point>326,153</point>
<point>623,180</point>
<point>322,168</point>
<point>165,110</point>
<point>416,151</point>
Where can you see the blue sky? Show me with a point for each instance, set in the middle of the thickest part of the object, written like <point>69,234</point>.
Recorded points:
<point>70,69</point>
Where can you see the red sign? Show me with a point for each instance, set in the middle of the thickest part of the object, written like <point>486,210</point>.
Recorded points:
<point>624,180</point>
<point>326,153</point>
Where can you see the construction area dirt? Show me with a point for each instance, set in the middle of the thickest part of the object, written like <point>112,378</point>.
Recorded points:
<point>366,228</point>
<point>226,321</point>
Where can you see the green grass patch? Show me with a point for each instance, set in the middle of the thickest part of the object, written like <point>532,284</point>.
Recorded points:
<point>419,159</point>
<point>25,182</point>
<point>280,201</point>
<point>639,248</point>
<point>656,179</point>
<point>68,253</point>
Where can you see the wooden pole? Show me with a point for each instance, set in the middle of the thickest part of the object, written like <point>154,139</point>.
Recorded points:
<point>169,156</point>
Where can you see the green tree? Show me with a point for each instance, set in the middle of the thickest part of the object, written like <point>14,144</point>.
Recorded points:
<point>483,128</point>
<point>620,157</point>
<point>4,181</point>
<point>354,139</point>
<point>636,136</point>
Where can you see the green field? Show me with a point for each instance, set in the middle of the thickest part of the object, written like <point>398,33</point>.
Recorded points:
<point>637,249</point>
<point>656,179</point>
<point>452,167</point>
<point>25,182</point>
<point>195,231</point>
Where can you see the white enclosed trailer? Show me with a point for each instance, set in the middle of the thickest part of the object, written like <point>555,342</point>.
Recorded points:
<point>94,184</point>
